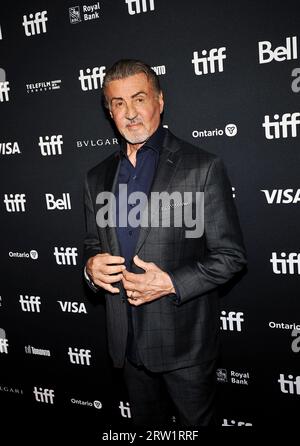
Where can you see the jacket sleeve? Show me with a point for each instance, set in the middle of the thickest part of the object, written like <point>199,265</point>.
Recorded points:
<point>92,244</point>
<point>224,249</point>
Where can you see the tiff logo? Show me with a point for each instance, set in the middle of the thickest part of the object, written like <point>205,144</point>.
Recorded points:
<point>44,395</point>
<point>281,53</point>
<point>32,26</point>
<point>283,128</point>
<point>60,204</point>
<point>79,356</point>
<point>93,79</point>
<point>4,89</point>
<point>66,256</point>
<point>15,202</point>
<point>286,265</point>
<point>51,145</point>
<point>3,345</point>
<point>289,385</point>
<point>232,322</point>
<point>30,303</point>
<point>207,64</point>
<point>138,6</point>
<point>125,410</point>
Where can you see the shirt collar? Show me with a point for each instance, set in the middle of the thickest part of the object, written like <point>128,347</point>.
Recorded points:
<point>155,141</point>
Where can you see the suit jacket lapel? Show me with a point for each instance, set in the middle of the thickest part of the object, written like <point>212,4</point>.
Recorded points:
<point>167,166</point>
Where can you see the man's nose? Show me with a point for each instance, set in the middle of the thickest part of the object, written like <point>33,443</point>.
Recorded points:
<point>131,112</point>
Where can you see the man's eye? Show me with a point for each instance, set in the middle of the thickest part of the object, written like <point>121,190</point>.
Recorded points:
<point>140,100</point>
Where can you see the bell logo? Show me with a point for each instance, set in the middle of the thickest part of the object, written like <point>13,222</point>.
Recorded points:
<point>138,6</point>
<point>288,52</point>
<point>207,64</point>
<point>32,26</point>
<point>289,385</point>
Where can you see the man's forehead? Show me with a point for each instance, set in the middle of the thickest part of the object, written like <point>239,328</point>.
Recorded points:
<point>129,85</point>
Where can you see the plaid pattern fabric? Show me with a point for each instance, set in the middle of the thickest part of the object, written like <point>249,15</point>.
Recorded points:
<point>172,334</point>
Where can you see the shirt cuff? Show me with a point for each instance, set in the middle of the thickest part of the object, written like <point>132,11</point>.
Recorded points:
<point>89,280</point>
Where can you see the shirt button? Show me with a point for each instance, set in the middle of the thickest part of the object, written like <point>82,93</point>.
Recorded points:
<point>130,232</point>
<point>134,177</point>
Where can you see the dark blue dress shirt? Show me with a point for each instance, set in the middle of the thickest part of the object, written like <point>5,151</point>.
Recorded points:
<point>138,178</point>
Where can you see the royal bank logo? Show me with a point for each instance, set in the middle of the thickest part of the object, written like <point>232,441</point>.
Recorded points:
<point>290,384</point>
<point>284,263</point>
<point>79,356</point>
<point>4,86</point>
<point>32,254</point>
<point>30,350</point>
<point>285,126</point>
<point>60,204</point>
<point>138,6</point>
<point>229,130</point>
<point>51,145</point>
<point>288,52</point>
<point>35,23</point>
<point>222,375</point>
<point>91,78</point>
<point>89,12</point>
<point>65,256</point>
<point>72,307</point>
<point>125,409</point>
<point>9,148</point>
<point>104,142</point>
<point>233,423</point>
<point>211,61</point>
<point>14,202</point>
<point>231,321</point>
<point>282,196</point>
<point>30,304</point>
<point>296,82</point>
<point>234,377</point>
<point>37,87</point>
<point>44,395</point>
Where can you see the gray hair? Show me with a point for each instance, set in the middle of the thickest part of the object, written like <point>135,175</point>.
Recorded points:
<point>129,67</point>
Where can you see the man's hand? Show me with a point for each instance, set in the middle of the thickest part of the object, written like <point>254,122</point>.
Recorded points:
<point>105,269</point>
<point>151,285</point>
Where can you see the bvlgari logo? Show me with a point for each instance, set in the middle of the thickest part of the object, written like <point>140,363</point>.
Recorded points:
<point>97,143</point>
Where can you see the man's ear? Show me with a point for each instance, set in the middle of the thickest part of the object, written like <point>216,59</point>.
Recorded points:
<point>161,102</point>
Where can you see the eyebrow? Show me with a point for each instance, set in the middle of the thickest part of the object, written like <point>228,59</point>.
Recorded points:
<point>132,97</point>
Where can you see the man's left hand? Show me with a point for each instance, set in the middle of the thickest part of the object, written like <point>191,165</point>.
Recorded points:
<point>148,286</point>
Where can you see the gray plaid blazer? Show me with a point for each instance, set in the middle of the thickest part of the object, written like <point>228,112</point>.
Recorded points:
<point>172,334</point>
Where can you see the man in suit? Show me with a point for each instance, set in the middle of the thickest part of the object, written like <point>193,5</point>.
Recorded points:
<point>160,280</point>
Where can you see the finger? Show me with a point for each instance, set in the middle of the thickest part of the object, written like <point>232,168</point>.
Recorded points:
<point>131,286</point>
<point>140,263</point>
<point>132,277</point>
<point>136,302</point>
<point>114,259</point>
<point>108,269</point>
<point>107,287</point>
<point>106,278</point>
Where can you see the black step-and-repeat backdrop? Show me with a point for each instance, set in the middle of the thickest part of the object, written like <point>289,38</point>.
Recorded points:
<point>230,71</point>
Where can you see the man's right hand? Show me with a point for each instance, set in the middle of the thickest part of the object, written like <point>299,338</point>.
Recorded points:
<point>105,269</point>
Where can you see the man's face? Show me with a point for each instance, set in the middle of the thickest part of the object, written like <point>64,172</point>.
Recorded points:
<point>135,107</point>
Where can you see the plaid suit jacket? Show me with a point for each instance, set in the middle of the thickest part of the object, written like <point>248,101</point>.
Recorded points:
<point>172,334</point>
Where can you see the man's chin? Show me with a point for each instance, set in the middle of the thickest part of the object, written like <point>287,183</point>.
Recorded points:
<point>136,140</point>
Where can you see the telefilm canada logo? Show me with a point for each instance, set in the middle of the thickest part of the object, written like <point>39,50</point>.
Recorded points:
<point>38,87</point>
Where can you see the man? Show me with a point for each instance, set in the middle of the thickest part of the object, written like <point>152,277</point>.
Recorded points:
<point>160,280</point>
